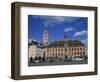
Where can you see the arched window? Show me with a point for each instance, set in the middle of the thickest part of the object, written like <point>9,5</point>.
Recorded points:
<point>84,53</point>
<point>47,50</point>
<point>53,54</point>
<point>75,49</point>
<point>72,53</point>
<point>56,55</point>
<point>61,49</point>
<point>72,49</point>
<point>59,54</point>
<point>78,53</point>
<point>49,55</point>
<point>75,53</point>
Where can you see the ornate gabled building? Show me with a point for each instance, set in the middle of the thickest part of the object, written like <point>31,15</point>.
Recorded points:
<point>35,49</point>
<point>65,47</point>
<point>56,49</point>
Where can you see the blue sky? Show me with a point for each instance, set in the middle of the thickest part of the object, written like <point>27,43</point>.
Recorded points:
<point>74,27</point>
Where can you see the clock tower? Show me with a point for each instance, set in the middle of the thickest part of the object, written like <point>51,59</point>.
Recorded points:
<point>45,37</point>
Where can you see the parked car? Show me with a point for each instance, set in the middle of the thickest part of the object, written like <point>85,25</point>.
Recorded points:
<point>37,61</point>
<point>79,59</point>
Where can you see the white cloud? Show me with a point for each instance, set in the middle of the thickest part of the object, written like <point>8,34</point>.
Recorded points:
<point>53,20</point>
<point>80,33</point>
<point>29,40</point>
<point>68,29</point>
<point>85,41</point>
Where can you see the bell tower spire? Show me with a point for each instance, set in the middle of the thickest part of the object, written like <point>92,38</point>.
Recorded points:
<point>45,37</point>
<point>65,40</point>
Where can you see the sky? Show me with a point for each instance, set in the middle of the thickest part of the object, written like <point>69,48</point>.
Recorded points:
<point>76,28</point>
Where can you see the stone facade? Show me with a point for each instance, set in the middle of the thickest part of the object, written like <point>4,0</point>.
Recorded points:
<point>65,47</point>
<point>35,49</point>
<point>57,49</point>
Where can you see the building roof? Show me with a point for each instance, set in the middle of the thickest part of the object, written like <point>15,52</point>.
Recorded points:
<point>36,43</point>
<point>70,43</point>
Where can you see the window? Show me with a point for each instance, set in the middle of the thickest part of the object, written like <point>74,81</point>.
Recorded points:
<point>77,53</point>
<point>65,49</point>
<point>59,49</point>
<point>80,53</point>
<point>53,54</point>
<point>47,50</point>
<point>56,54</point>
<point>72,49</point>
<point>75,49</point>
<point>59,54</point>
<point>84,53</point>
<point>56,49</point>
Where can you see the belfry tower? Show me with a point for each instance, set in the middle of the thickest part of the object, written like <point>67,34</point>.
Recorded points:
<point>45,37</point>
<point>65,40</point>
